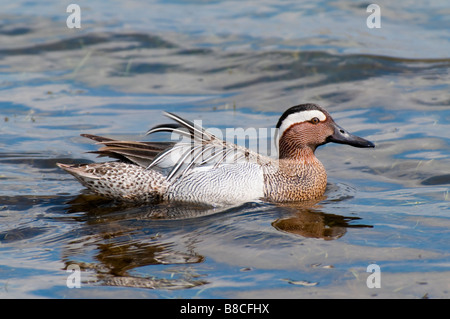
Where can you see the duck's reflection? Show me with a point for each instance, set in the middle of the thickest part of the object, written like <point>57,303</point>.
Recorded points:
<point>315,224</point>
<point>126,239</point>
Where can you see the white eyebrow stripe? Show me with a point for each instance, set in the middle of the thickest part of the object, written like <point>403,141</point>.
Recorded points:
<point>300,117</point>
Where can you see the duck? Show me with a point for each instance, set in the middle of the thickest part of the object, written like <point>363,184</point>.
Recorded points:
<point>201,168</point>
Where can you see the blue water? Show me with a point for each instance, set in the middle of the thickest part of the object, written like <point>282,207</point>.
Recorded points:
<point>229,64</point>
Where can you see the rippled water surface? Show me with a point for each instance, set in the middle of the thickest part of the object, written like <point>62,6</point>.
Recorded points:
<point>229,64</point>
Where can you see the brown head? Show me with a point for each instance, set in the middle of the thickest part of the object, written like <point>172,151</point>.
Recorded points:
<point>302,128</point>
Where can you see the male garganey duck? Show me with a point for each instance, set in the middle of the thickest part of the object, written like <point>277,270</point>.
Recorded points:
<point>208,170</point>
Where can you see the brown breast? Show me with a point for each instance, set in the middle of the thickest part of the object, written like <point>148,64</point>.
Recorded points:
<point>295,180</point>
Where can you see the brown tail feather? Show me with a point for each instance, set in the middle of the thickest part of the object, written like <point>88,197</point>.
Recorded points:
<point>140,153</point>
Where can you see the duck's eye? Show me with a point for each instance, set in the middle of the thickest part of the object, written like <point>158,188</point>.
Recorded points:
<point>315,120</point>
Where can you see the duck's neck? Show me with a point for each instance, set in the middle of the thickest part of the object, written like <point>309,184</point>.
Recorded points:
<point>302,155</point>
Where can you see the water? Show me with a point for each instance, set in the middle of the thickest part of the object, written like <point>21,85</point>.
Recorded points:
<point>229,64</point>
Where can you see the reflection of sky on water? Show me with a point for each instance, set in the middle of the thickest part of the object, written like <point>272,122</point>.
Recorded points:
<point>409,29</point>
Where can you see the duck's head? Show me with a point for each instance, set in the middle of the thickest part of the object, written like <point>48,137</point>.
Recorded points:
<point>307,126</point>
